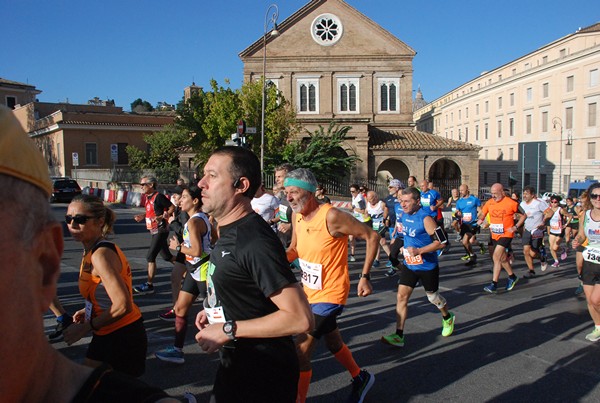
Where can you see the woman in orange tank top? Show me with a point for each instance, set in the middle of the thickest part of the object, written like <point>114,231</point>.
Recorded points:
<point>119,337</point>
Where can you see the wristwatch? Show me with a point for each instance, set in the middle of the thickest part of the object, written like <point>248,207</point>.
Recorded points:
<point>365,275</point>
<point>178,248</point>
<point>229,328</point>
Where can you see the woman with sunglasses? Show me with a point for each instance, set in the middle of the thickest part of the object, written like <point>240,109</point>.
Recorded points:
<point>583,205</point>
<point>557,218</point>
<point>588,239</point>
<point>119,337</point>
<point>196,247</point>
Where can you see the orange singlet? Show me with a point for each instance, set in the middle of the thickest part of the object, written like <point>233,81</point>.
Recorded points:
<point>97,299</point>
<point>502,216</point>
<point>323,259</point>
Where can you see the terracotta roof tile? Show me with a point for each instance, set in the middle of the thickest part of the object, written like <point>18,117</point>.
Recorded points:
<point>413,140</point>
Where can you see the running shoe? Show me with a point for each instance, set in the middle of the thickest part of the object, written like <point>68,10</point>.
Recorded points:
<point>510,284</point>
<point>471,262</point>
<point>530,274</point>
<point>465,257</point>
<point>563,253</point>
<point>388,265</point>
<point>352,258</point>
<point>360,386</point>
<point>375,263</point>
<point>391,272</point>
<point>482,249</point>
<point>393,340</point>
<point>448,325</point>
<point>144,289</point>
<point>57,334</point>
<point>555,264</point>
<point>169,315</point>
<point>440,252</point>
<point>458,238</point>
<point>544,265</point>
<point>492,289</point>
<point>594,336</point>
<point>579,289</point>
<point>170,354</point>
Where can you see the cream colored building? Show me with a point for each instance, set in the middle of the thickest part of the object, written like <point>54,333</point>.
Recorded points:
<point>536,117</point>
<point>334,63</point>
<point>96,134</point>
<point>13,93</point>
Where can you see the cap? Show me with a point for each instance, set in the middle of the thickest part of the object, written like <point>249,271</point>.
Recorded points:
<point>396,183</point>
<point>19,156</point>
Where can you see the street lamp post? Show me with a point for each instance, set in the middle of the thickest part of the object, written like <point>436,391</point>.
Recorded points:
<point>570,144</point>
<point>557,121</point>
<point>274,32</point>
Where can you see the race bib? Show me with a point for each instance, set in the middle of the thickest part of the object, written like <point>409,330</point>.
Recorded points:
<point>88,310</point>
<point>283,213</point>
<point>312,274</point>
<point>214,314</point>
<point>537,234</point>
<point>411,260</point>
<point>467,217</point>
<point>425,202</point>
<point>377,223</point>
<point>497,228</point>
<point>591,255</point>
<point>361,217</point>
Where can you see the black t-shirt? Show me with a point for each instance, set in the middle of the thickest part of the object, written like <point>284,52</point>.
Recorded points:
<point>161,204</point>
<point>248,264</point>
<point>106,385</point>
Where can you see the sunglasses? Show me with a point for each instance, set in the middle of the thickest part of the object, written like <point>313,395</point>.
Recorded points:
<point>144,184</point>
<point>594,196</point>
<point>78,219</point>
<point>554,202</point>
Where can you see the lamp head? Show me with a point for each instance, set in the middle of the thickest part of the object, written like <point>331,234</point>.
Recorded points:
<point>274,32</point>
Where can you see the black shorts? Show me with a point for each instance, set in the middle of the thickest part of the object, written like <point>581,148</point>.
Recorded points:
<point>468,229</point>
<point>561,235</point>
<point>325,324</point>
<point>256,371</point>
<point>124,349</point>
<point>158,244</point>
<point>192,286</point>
<point>527,239</point>
<point>590,273</point>
<point>430,279</point>
<point>502,241</point>
<point>573,225</point>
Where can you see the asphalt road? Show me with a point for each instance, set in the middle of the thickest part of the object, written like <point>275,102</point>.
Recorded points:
<point>526,345</point>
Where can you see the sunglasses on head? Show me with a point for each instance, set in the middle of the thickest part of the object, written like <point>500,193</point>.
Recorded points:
<point>78,219</point>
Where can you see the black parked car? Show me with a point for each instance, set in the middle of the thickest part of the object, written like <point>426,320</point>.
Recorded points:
<point>64,190</point>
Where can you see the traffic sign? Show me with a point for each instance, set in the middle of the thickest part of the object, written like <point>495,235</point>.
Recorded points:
<point>75,159</point>
<point>241,127</point>
<point>114,153</point>
<point>250,130</point>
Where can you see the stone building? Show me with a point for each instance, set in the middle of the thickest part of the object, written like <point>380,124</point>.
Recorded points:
<point>334,63</point>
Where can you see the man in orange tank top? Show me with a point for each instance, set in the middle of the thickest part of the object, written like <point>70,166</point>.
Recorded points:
<point>502,210</point>
<point>320,242</point>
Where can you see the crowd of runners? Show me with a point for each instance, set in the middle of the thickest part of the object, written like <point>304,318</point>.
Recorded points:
<point>270,271</point>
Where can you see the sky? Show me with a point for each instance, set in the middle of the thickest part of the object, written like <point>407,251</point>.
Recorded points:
<point>123,49</point>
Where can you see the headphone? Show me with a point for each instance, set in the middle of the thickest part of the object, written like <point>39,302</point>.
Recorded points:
<point>237,183</point>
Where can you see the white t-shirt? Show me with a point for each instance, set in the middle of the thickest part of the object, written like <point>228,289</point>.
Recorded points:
<point>534,211</point>
<point>265,206</point>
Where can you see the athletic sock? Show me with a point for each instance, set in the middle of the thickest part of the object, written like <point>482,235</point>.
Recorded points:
<point>344,356</point>
<point>495,283</point>
<point>303,384</point>
<point>446,317</point>
<point>400,332</point>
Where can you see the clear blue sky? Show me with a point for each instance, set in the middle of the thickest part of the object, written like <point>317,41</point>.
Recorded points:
<point>125,49</point>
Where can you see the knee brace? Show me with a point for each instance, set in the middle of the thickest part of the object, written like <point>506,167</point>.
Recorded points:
<point>436,299</point>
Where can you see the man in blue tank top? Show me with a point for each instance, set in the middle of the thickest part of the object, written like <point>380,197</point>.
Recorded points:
<point>422,238</point>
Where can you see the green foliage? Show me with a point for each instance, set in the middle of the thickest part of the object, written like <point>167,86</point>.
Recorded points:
<point>211,117</point>
<point>140,105</point>
<point>322,153</point>
<point>162,157</point>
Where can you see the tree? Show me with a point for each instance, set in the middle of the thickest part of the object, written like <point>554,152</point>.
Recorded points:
<point>140,105</point>
<point>322,153</point>
<point>280,120</point>
<point>162,157</point>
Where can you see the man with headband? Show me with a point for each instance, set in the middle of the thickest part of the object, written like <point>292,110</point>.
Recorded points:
<point>320,242</point>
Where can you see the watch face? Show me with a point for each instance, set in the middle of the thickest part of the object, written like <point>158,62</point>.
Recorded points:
<point>227,327</point>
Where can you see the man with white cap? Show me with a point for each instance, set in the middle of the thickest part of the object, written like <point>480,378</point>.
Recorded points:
<point>32,243</point>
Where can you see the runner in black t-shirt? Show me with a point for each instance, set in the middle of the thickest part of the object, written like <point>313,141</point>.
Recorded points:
<point>254,303</point>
